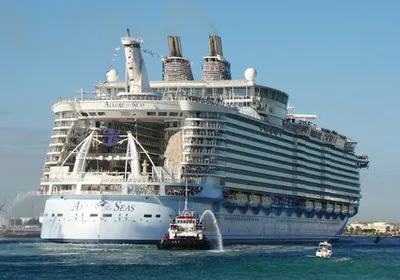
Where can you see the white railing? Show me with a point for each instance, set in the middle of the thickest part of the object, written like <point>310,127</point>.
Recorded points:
<point>101,180</point>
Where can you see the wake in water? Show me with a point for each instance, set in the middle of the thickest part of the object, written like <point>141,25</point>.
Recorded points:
<point>343,259</point>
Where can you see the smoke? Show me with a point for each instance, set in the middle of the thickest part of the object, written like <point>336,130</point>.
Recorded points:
<point>185,15</point>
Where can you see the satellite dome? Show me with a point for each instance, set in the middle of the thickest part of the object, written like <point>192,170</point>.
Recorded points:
<point>112,75</point>
<point>250,74</point>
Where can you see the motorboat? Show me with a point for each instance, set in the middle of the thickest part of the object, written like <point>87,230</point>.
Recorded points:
<point>324,250</point>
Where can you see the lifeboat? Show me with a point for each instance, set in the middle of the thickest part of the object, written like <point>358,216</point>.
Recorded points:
<point>254,201</point>
<point>230,200</point>
<point>329,208</point>
<point>337,209</point>
<point>309,206</point>
<point>266,202</point>
<point>345,209</point>
<point>352,210</point>
<point>317,206</point>
<point>242,199</point>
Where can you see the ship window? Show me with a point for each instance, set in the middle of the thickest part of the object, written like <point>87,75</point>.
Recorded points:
<point>101,113</point>
<point>90,188</point>
<point>52,215</point>
<point>93,215</point>
<point>84,114</point>
<point>107,215</point>
<point>239,91</point>
<point>173,114</point>
<point>92,114</point>
<point>173,124</point>
<point>158,216</point>
<point>59,215</point>
<point>162,113</point>
<point>218,92</point>
<point>147,215</point>
<point>151,113</point>
<point>181,114</point>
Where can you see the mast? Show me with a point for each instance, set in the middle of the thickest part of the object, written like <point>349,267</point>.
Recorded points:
<point>185,210</point>
<point>136,74</point>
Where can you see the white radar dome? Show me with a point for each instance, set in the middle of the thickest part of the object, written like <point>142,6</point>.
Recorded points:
<point>112,75</point>
<point>250,74</point>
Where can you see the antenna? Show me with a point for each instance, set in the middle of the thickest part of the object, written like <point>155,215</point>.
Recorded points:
<point>186,208</point>
<point>128,33</point>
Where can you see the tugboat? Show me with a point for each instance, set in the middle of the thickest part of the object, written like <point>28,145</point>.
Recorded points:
<point>185,233</point>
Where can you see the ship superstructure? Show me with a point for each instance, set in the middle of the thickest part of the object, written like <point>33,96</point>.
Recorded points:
<point>119,158</point>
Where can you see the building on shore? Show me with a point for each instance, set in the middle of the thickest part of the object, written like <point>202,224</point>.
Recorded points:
<point>375,228</point>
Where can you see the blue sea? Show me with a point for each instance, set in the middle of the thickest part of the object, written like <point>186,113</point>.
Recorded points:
<point>353,258</point>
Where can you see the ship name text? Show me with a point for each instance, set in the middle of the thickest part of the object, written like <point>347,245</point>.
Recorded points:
<point>117,206</point>
<point>114,104</point>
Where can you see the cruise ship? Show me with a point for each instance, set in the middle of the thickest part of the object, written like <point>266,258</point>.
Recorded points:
<point>119,157</point>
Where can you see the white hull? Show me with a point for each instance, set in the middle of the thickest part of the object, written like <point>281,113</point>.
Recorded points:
<point>126,219</point>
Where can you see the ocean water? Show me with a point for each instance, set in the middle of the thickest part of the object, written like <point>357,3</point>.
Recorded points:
<point>353,258</point>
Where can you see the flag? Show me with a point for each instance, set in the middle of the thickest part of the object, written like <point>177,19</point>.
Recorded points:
<point>135,129</point>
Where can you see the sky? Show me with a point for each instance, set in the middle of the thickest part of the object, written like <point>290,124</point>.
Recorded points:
<point>338,59</point>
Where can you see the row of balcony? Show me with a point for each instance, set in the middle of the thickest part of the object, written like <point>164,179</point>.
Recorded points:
<point>197,132</point>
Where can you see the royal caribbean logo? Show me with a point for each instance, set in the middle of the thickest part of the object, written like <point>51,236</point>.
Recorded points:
<point>112,137</point>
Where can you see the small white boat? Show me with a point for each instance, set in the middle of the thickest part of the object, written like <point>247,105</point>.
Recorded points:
<point>324,250</point>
